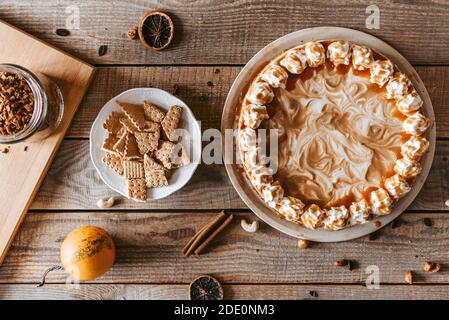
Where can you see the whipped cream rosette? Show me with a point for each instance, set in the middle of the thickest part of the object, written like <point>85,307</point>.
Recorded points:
<point>315,53</point>
<point>362,57</point>
<point>398,86</point>
<point>416,124</point>
<point>251,157</point>
<point>339,52</point>
<point>261,93</point>
<point>409,103</point>
<point>260,176</point>
<point>248,139</point>
<point>381,72</point>
<point>407,167</point>
<point>253,115</point>
<point>381,202</point>
<point>360,212</point>
<point>340,135</point>
<point>313,217</point>
<point>415,147</point>
<point>273,193</point>
<point>336,218</point>
<point>291,209</point>
<point>275,76</point>
<point>397,186</point>
<point>295,61</point>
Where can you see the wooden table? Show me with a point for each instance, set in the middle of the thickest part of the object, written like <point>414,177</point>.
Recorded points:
<point>214,39</point>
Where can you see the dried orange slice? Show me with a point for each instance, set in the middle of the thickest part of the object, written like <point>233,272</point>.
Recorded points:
<point>206,288</point>
<point>156,30</point>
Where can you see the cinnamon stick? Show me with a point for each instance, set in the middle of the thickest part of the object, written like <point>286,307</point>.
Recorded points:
<point>187,246</point>
<point>214,234</point>
<point>204,232</point>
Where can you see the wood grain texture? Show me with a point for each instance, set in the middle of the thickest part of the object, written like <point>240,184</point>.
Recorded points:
<point>21,175</point>
<point>72,183</point>
<point>203,89</point>
<point>149,249</point>
<point>228,32</point>
<point>206,101</point>
<point>232,292</point>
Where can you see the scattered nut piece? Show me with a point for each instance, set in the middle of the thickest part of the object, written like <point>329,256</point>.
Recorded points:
<point>341,263</point>
<point>436,268</point>
<point>5,150</point>
<point>409,277</point>
<point>250,227</point>
<point>303,244</point>
<point>16,103</point>
<point>377,223</point>
<point>25,148</point>
<point>430,266</point>
<point>106,203</point>
<point>132,34</point>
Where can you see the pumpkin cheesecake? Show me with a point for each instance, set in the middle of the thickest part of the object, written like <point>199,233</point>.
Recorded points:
<point>350,131</point>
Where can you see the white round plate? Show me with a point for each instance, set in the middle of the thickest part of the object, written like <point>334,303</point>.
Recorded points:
<point>272,50</point>
<point>164,100</point>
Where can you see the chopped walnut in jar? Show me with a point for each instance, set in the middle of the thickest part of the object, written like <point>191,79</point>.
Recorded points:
<point>16,103</point>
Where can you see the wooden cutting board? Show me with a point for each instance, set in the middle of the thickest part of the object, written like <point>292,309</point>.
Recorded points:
<point>21,172</point>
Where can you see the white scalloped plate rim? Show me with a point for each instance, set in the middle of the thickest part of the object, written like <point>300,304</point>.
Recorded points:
<point>163,99</point>
<point>272,50</point>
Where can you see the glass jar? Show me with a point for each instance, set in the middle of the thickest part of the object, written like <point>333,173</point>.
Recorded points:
<point>48,106</point>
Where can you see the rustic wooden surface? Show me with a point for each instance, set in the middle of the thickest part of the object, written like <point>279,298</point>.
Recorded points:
<point>232,291</point>
<point>22,174</point>
<point>149,246</point>
<point>214,39</point>
<point>229,32</point>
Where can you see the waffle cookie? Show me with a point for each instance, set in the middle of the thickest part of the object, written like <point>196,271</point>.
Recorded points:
<point>171,122</point>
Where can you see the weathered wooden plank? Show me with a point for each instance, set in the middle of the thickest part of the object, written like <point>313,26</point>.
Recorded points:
<point>206,100</point>
<point>232,292</point>
<point>217,32</point>
<point>150,244</point>
<point>73,183</point>
<point>203,89</point>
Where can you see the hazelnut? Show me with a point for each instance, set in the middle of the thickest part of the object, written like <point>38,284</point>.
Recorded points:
<point>341,263</point>
<point>436,268</point>
<point>428,266</point>
<point>303,244</point>
<point>132,34</point>
<point>409,277</point>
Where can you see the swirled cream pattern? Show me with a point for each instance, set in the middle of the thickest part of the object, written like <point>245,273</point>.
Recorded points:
<point>338,136</point>
<point>350,136</point>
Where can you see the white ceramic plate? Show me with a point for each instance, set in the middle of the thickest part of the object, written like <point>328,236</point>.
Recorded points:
<point>272,50</point>
<point>164,100</point>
